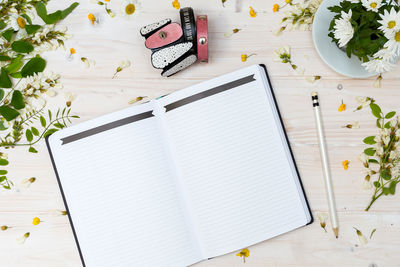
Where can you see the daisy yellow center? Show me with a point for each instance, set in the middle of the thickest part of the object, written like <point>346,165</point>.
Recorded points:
<point>391,24</point>
<point>130,9</point>
<point>373,5</point>
<point>397,36</point>
<point>21,22</point>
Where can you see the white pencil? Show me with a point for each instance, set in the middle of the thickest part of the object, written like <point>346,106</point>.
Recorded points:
<point>325,165</point>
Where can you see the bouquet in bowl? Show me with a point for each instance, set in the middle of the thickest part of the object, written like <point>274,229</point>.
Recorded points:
<point>369,30</point>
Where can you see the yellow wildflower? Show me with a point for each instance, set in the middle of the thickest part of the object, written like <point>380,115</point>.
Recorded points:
<point>176,4</point>
<point>244,253</point>
<point>92,18</point>
<point>342,107</point>
<point>288,1</point>
<point>106,0</point>
<point>72,50</point>
<point>36,221</point>
<point>244,57</point>
<point>345,164</point>
<point>275,8</point>
<point>252,13</point>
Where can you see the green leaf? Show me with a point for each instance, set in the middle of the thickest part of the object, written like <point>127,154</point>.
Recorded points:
<point>58,125</point>
<point>2,24</point>
<point>16,75</point>
<point>385,173</point>
<point>5,58</point>
<point>370,151</point>
<point>35,131</point>
<point>49,114</point>
<point>15,64</point>
<point>22,47</point>
<point>390,115</point>
<point>68,10</point>
<point>35,65</point>
<point>2,127</point>
<point>47,18</point>
<point>17,100</point>
<point>43,121</point>
<point>369,140</point>
<point>376,110</point>
<point>378,123</point>
<point>31,29</point>
<point>373,161</point>
<point>8,34</point>
<point>50,131</point>
<point>392,187</point>
<point>386,191</point>
<point>8,113</point>
<point>1,94</point>
<point>32,150</point>
<point>29,135</point>
<point>377,184</point>
<point>387,125</point>
<point>75,116</point>
<point>3,162</point>
<point>5,81</point>
<point>2,179</point>
<point>3,172</point>
<point>28,19</point>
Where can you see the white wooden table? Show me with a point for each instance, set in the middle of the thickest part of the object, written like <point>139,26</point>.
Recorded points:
<point>51,243</point>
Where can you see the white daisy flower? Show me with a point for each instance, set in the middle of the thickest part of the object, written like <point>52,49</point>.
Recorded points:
<point>372,5</point>
<point>129,8</point>
<point>343,29</point>
<point>393,43</point>
<point>354,1</point>
<point>17,22</point>
<point>390,21</point>
<point>378,65</point>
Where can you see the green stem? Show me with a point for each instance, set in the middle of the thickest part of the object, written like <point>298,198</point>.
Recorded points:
<point>41,136</point>
<point>374,198</point>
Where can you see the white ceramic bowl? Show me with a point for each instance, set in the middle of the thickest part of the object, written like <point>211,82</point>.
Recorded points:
<point>328,51</point>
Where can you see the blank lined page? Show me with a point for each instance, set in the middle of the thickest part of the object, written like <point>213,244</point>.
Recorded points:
<point>121,194</point>
<point>235,168</point>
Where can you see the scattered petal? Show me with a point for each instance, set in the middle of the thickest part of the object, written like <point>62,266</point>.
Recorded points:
<point>322,216</point>
<point>122,65</point>
<point>27,182</point>
<point>57,213</point>
<point>377,83</point>
<point>355,125</point>
<point>252,12</point>
<point>137,99</point>
<point>346,164</point>
<point>22,239</point>
<point>361,237</point>
<point>4,227</point>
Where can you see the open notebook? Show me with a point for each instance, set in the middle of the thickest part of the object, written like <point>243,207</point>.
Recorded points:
<point>201,172</point>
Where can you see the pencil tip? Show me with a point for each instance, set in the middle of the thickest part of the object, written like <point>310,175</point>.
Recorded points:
<point>336,232</point>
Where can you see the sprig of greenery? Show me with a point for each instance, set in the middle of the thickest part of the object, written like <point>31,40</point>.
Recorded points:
<point>382,158</point>
<point>20,62</point>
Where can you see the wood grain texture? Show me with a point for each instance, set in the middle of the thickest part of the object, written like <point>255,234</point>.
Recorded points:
<point>52,244</point>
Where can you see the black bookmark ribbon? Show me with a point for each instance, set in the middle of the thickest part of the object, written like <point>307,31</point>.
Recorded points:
<point>210,92</point>
<point>106,127</point>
